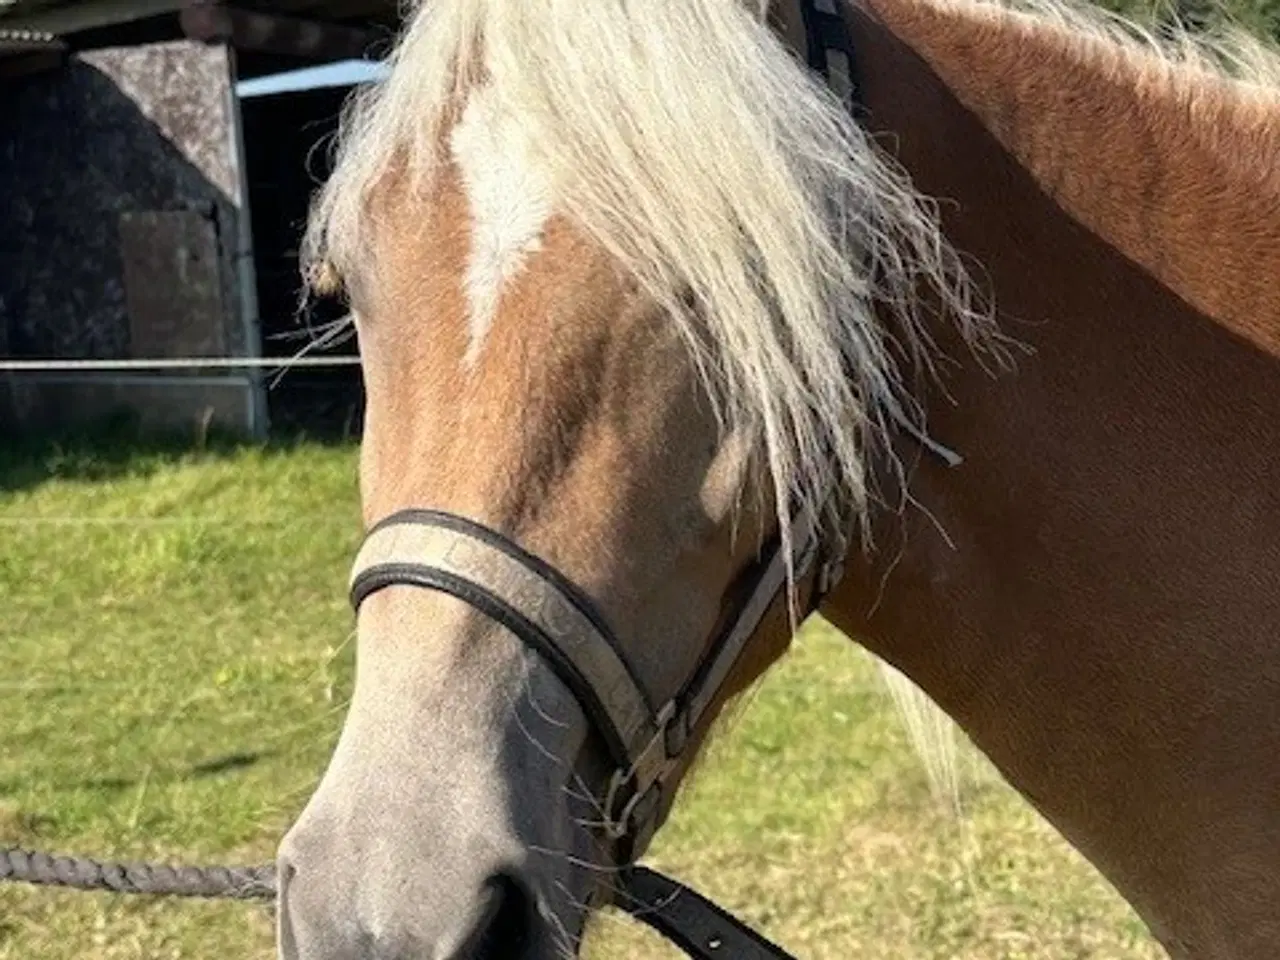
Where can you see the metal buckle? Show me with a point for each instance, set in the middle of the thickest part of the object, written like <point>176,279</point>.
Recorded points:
<point>830,574</point>
<point>626,822</point>
<point>644,776</point>
<point>615,826</point>
<point>831,558</point>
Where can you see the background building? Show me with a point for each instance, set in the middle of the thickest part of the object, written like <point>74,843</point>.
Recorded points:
<point>149,211</point>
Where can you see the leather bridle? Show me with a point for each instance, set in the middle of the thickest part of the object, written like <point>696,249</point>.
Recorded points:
<point>445,552</point>
<point>452,554</point>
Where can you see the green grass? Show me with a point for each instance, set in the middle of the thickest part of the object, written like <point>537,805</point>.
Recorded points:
<point>174,661</point>
<point>1261,17</point>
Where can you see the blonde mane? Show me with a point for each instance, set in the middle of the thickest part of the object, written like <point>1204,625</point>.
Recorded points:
<point>722,175</point>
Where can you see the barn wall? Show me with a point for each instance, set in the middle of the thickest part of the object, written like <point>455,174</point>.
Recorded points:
<point>123,232</point>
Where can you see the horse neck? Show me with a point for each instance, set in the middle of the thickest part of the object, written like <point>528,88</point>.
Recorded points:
<point>1102,572</point>
<point>1173,166</point>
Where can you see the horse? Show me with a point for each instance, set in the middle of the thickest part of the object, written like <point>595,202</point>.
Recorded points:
<point>665,349</point>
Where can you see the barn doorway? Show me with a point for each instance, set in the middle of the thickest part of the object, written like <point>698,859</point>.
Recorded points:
<point>286,140</point>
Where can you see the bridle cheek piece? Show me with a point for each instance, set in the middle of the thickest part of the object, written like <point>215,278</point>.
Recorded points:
<point>551,615</point>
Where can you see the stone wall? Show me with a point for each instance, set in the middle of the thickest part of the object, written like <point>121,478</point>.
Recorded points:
<point>121,219</point>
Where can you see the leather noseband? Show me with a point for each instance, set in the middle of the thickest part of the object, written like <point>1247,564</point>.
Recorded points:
<point>437,550</point>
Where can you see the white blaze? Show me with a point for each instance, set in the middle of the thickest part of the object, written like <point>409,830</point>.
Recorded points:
<point>510,197</point>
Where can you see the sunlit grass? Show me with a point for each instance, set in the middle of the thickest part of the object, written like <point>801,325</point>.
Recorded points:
<point>174,665</point>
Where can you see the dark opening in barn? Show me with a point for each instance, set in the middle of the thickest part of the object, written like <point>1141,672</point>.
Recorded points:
<point>287,140</point>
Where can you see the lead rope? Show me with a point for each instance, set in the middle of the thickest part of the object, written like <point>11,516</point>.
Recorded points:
<point>689,920</point>
<point>82,873</point>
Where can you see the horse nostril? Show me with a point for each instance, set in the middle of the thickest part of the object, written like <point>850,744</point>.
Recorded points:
<point>505,930</point>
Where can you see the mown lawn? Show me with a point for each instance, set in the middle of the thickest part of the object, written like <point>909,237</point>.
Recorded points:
<point>174,662</point>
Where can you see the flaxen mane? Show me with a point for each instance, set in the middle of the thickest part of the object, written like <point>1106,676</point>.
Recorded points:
<point>730,182</point>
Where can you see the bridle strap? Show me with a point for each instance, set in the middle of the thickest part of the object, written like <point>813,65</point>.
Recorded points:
<point>693,923</point>
<point>445,552</point>
<point>701,691</point>
<point>827,33</point>
<point>442,551</point>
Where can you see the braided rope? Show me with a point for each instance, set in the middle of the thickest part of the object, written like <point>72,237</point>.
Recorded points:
<point>691,922</point>
<point>81,873</point>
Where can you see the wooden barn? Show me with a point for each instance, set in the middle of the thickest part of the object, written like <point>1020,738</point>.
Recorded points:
<point>148,212</point>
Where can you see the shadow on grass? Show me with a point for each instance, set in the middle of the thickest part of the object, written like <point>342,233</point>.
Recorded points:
<point>231,763</point>
<point>116,447</point>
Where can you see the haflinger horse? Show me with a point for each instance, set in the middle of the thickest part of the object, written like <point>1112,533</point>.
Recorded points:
<point>652,326</point>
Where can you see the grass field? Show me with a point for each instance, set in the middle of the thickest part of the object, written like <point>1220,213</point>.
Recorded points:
<point>174,662</point>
